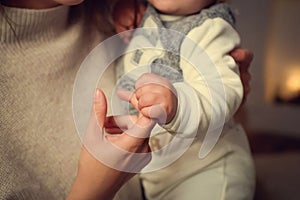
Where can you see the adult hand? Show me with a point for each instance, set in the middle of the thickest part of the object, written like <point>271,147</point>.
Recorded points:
<point>97,178</point>
<point>138,126</point>
<point>244,58</point>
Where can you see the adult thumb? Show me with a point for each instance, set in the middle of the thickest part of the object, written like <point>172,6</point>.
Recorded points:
<point>100,107</point>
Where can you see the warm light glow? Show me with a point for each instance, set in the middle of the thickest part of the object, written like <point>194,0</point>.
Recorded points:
<point>291,83</point>
<point>282,71</point>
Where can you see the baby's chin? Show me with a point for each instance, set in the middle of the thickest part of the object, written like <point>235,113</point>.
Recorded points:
<point>69,2</point>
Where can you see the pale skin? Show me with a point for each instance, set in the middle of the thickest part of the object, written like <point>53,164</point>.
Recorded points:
<point>156,98</point>
<point>133,11</point>
<point>94,179</point>
<point>39,4</point>
<point>97,181</point>
<point>179,7</point>
<point>156,91</point>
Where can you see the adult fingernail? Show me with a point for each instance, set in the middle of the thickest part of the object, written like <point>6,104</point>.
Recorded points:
<point>97,94</point>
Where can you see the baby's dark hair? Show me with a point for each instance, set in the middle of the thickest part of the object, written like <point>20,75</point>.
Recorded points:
<point>99,14</point>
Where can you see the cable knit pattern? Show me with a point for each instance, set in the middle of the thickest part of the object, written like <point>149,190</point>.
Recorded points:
<point>40,55</point>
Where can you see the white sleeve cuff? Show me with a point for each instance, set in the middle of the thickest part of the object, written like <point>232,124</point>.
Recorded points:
<point>187,118</point>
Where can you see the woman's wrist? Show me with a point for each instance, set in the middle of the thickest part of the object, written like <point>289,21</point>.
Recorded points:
<point>95,180</point>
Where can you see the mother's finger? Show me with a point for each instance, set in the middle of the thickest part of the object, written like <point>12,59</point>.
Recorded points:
<point>100,107</point>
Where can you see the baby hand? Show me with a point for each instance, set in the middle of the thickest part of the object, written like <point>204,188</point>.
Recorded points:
<point>127,15</point>
<point>155,98</point>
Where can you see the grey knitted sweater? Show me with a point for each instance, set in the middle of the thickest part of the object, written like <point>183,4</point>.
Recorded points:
<point>39,147</point>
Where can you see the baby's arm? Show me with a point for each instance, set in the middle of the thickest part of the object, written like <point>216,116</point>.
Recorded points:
<point>214,94</point>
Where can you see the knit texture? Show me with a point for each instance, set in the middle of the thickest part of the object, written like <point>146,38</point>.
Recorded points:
<point>41,52</point>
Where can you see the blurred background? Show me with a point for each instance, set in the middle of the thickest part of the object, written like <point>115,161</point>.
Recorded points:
<point>271,29</point>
